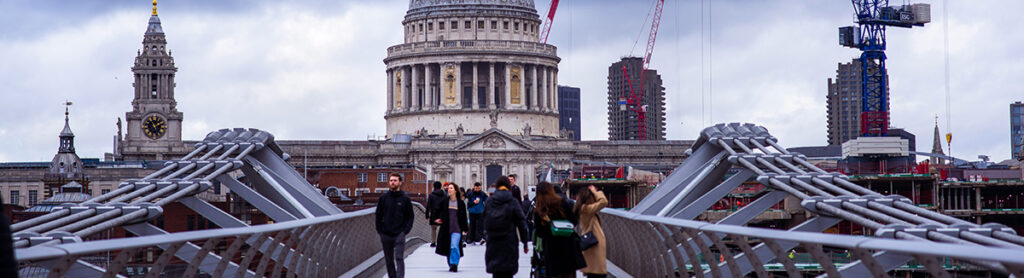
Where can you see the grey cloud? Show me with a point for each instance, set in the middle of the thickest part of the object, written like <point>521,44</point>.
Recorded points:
<point>313,70</point>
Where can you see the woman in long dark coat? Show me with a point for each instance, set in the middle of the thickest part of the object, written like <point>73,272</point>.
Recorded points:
<point>561,254</point>
<point>454,225</point>
<point>502,218</point>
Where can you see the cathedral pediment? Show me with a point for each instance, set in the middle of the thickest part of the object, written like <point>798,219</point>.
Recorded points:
<point>494,140</point>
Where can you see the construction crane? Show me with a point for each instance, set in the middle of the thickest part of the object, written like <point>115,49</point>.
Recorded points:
<point>633,101</point>
<point>873,16</point>
<point>547,22</point>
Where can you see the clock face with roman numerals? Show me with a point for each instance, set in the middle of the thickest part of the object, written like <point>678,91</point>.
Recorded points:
<point>154,127</point>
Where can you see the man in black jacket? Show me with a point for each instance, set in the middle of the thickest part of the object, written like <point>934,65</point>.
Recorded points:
<point>394,221</point>
<point>516,192</point>
<point>435,202</point>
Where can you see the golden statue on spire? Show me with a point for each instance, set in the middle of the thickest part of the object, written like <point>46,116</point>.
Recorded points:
<point>154,7</point>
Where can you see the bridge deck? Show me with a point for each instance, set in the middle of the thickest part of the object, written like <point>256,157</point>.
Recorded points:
<point>424,263</point>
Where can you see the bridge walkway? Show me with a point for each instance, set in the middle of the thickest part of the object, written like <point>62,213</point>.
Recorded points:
<point>424,263</point>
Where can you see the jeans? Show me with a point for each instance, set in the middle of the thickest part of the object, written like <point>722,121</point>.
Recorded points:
<point>453,254</point>
<point>393,245</point>
<point>476,228</point>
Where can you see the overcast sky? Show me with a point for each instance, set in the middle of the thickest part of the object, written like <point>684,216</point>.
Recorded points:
<point>313,70</point>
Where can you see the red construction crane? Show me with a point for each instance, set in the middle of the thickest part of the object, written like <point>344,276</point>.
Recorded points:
<point>547,22</point>
<point>634,102</point>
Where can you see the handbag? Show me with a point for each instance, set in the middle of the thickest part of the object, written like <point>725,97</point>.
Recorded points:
<point>562,228</point>
<point>587,241</point>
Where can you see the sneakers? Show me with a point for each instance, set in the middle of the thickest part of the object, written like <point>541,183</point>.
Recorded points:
<point>453,268</point>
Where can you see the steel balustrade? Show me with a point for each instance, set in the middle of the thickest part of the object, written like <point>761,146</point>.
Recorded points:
<point>312,237</point>
<point>908,232</point>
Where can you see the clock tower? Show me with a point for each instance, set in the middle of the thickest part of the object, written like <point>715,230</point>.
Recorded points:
<point>154,124</point>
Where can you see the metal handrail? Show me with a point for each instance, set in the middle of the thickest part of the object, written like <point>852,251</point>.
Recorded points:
<point>291,229</point>
<point>624,226</point>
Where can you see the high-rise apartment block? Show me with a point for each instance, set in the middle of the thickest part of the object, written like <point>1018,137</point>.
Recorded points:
<point>844,103</point>
<point>569,112</point>
<point>1017,130</point>
<point>623,122</point>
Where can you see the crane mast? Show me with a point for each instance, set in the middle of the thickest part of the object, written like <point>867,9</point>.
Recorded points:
<point>873,16</point>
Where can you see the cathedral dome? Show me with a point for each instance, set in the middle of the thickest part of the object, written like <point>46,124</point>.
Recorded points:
<point>415,4</point>
<point>432,8</point>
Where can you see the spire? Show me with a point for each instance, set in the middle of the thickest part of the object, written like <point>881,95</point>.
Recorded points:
<point>66,161</point>
<point>67,138</point>
<point>154,23</point>
<point>937,144</point>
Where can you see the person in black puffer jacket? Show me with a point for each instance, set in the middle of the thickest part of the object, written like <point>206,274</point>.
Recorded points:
<point>502,218</point>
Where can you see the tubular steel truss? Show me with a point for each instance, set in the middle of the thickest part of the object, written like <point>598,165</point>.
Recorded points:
<point>309,234</point>
<point>903,232</point>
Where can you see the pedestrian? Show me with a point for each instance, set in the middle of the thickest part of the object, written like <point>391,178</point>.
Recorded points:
<point>476,200</point>
<point>434,205</point>
<point>394,221</point>
<point>453,227</point>
<point>560,253</point>
<point>524,204</point>
<point>502,217</point>
<point>589,203</point>
<point>516,191</point>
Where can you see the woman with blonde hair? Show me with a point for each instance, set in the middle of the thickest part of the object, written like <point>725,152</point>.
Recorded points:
<point>589,203</point>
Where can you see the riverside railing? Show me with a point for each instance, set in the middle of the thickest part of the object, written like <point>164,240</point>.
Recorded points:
<point>653,246</point>
<point>327,246</point>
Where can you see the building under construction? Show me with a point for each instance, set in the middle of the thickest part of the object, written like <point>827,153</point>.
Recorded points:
<point>623,122</point>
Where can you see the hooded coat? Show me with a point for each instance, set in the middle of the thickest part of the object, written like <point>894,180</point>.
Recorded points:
<point>502,218</point>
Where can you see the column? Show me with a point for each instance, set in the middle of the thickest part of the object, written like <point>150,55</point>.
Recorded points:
<point>534,93</point>
<point>415,100</point>
<point>490,88</point>
<point>476,88</point>
<point>508,86</point>
<point>429,91</point>
<point>522,87</point>
<point>391,90</point>
<point>545,92</point>
<point>554,87</point>
<point>458,85</point>
<point>406,96</point>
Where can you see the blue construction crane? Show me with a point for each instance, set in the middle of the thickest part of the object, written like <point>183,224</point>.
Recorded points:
<point>872,17</point>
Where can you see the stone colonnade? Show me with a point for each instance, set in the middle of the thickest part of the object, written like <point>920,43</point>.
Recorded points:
<point>472,85</point>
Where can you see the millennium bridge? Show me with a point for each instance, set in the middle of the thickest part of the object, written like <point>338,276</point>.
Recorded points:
<point>311,237</point>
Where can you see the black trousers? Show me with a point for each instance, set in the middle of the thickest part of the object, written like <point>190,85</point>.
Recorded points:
<point>476,228</point>
<point>394,245</point>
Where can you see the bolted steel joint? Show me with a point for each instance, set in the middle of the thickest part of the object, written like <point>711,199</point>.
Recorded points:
<point>889,231</point>
<point>811,204</point>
